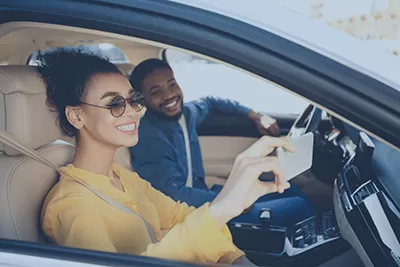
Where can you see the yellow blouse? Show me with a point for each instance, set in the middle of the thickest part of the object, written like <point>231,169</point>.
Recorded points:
<point>74,216</point>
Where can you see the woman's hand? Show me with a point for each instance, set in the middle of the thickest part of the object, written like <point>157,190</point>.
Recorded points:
<point>243,187</point>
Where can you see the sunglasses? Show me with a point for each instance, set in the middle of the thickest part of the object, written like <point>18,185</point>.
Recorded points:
<point>117,106</point>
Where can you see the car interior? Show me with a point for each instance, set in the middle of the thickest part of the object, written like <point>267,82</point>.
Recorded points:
<point>341,178</point>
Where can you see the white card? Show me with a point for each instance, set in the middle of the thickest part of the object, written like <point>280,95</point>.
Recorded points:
<point>299,161</point>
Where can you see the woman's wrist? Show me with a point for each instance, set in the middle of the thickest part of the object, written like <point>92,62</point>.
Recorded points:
<point>221,213</point>
<point>247,210</point>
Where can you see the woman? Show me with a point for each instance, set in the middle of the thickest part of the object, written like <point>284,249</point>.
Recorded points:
<point>97,106</point>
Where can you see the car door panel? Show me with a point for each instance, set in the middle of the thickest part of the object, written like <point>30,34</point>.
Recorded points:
<point>222,137</point>
<point>219,153</point>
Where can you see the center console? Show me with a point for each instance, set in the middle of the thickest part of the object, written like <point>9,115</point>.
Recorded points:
<point>292,241</point>
<point>367,217</point>
<point>312,232</point>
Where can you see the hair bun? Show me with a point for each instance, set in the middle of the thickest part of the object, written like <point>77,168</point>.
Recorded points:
<point>66,72</point>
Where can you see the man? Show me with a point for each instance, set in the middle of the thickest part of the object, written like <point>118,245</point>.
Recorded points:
<point>160,155</point>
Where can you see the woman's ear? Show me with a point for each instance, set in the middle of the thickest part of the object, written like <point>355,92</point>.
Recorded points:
<point>74,116</point>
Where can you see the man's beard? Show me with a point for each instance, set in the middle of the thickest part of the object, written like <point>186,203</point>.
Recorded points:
<point>162,116</point>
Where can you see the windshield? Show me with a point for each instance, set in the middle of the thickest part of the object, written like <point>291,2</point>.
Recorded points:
<point>361,34</point>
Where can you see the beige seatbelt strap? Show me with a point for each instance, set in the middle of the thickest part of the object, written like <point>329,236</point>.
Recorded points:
<point>8,140</point>
<point>182,123</point>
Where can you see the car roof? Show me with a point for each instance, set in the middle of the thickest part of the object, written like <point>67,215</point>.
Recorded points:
<point>365,57</point>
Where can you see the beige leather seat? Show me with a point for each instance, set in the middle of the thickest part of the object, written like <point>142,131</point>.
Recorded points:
<point>24,182</point>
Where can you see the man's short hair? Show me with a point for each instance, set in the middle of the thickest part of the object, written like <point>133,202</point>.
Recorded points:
<point>141,71</point>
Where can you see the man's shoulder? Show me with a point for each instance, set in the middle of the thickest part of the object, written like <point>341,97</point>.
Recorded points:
<point>192,108</point>
<point>150,136</point>
<point>192,104</point>
<point>148,129</point>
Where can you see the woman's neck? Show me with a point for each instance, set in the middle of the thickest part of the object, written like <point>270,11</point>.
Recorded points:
<point>93,156</point>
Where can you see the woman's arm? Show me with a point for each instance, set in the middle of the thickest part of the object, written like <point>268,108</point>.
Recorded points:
<point>198,238</point>
<point>172,214</point>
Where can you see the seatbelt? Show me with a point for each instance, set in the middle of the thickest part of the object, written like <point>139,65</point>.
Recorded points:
<point>8,140</point>
<point>189,178</point>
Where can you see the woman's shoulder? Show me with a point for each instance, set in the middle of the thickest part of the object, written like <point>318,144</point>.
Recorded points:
<point>65,192</point>
<point>67,186</point>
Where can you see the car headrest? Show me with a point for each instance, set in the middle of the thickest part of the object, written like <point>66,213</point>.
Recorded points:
<point>126,68</point>
<point>23,110</point>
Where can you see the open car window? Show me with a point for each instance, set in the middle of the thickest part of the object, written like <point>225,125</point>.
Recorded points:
<point>199,77</point>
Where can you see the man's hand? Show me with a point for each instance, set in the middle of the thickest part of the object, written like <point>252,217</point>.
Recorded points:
<point>265,124</point>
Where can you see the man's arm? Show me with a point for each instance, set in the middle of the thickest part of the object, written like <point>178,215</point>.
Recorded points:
<point>155,164</point>
<point>202,108</point>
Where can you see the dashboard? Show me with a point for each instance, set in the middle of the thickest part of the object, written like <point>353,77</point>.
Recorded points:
<point>366,209</point>
<point>365,174</point>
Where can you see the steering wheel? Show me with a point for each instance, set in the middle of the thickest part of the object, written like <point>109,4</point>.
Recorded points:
<point>306,122</point>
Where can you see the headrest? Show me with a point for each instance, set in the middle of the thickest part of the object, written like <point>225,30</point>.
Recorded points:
<point>23,110</point>
<point>126,68</point>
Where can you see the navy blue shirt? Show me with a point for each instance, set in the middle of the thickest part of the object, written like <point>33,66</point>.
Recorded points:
<point>160,155</point>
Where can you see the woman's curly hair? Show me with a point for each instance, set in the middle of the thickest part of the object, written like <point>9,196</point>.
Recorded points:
<point>66,73</point>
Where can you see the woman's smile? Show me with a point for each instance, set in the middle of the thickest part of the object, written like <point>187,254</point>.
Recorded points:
<point>130,128</point>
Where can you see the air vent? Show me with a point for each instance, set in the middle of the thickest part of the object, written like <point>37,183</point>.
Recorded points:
<point>364,191</point>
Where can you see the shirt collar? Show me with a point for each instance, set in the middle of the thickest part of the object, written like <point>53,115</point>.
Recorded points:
<point>93,179</point>
<point>163,123</point>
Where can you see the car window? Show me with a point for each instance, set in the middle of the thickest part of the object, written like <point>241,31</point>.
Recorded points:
<point>110,51</point>
<point>199,78</point>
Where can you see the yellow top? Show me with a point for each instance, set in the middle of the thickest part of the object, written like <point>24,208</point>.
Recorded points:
<point>74,216</point>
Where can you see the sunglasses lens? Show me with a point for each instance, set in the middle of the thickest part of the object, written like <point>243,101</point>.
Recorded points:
<point>118,106</point>
<point>137,103</point>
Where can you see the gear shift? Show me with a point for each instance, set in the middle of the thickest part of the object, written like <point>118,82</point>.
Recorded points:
<point>265,217</point>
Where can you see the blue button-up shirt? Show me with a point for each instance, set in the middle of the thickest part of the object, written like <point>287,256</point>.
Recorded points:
<point>160,155</point>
